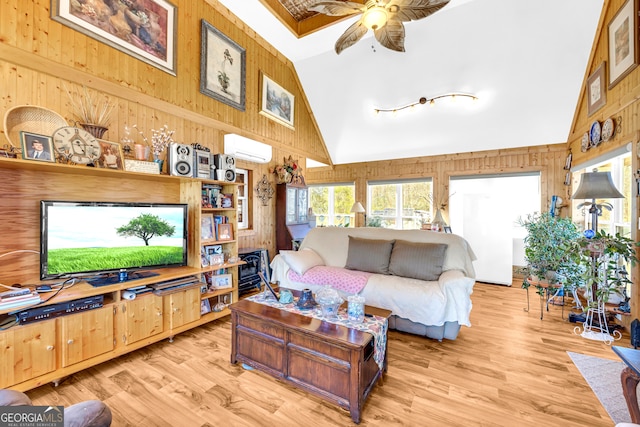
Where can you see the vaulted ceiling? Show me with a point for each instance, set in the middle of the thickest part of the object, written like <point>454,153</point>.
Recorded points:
<point>526,62</point>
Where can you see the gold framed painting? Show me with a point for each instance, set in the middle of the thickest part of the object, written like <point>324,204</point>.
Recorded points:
<point>277,103</point>
<point>623,43</point>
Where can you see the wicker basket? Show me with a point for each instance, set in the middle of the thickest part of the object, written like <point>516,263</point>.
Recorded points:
<point>30,118</point>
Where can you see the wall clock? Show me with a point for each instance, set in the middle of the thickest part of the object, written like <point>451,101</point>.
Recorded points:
<point>76,145</point>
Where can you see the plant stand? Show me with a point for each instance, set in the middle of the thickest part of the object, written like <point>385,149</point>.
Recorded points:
<point>595,326</point>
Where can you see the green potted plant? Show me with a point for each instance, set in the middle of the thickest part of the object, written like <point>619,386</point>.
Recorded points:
<point>548,247</point>
<point>601,256</point>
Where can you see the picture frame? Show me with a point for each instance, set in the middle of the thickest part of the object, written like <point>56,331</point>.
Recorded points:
<point>447,229</point>
<point>28,140</point>
<point>596,90</point>
<point>111,156</point>
<point>276,103</point>
<point>205,306</point>
<point>222,281</point>
<point>213,249</point>
<point>204,259</point>
<point>222,67</point>
<point>623,43</point>
<point>144,29</point>
<point>225,232</point>
<point>206,227</point>
<point>216,259</point>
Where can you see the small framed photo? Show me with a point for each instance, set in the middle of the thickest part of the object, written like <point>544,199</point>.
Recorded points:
<point>222,281</point>
<point>111,155</point>
<point>447,229</point>
<point>227,200</point>
<point>623,42</point>
<point>37,147</point>
<point>225,232</point>
<point>596,90</point>
<point>204,259</point>
<point>278,104</point>
<point>205,306</point>
<point>206,227</point>
<point>213,249</point>
<point>216,259</point>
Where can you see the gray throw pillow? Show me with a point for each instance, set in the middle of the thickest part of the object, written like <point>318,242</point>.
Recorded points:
<point>369,255</point>
<point>417,260</point>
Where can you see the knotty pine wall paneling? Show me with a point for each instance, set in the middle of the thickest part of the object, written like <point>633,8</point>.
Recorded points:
<point>622,105</point>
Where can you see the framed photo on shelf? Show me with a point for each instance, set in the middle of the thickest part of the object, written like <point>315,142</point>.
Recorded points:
<point>222,67</point>
<point>216,259</point>
<point>277,103</point>
<point>213,249</point>
<point>447,229</point>
<point>225,232</point>
<point>206,227</point>
<point>37,147</point>
<point>221,281</point>
<point>144,29</point>
<point>111,155</point>
<point>623,42</point>
<point>227,200</point>
<point>205,306</point>
<point>596,90</point>
<point>204,259</point>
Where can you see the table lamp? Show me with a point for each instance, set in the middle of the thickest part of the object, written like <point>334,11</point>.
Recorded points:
<point>596,185</point>
<point>358,208</point>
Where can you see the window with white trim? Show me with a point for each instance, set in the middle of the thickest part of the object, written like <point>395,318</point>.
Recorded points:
<point>401,204</point>
<point>243,178</point>
<point>331,204</point>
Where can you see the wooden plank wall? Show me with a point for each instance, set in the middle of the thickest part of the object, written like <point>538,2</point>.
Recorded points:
<point>548,160</point>
<point>622,105</point>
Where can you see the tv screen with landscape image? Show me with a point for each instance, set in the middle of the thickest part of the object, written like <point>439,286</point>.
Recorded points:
<point>93,238</point>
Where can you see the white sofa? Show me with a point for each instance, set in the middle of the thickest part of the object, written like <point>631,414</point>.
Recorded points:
<point>435,308</point>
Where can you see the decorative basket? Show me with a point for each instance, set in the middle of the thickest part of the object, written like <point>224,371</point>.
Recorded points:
<point>31,118</point>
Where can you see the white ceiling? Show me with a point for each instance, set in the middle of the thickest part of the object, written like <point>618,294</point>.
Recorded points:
<point>525,60</point>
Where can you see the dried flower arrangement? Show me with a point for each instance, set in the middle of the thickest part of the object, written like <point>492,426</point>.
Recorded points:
<point>287,172</point>
<point>160,139</point>
<point>90,109</point>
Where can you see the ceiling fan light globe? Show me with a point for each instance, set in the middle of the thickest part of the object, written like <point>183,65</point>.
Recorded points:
<point>375,18</point>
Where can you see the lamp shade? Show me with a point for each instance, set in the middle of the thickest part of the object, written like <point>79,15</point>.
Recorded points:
<point>597,185</point>
<point>357,207</point>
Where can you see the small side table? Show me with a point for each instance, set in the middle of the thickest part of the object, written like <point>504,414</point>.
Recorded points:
<point>630,378</point>
<point>548,291</point>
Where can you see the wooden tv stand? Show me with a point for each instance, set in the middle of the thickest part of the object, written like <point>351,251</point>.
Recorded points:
<point>331,361</point>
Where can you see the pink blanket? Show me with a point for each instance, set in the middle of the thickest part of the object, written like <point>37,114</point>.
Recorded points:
<point>349,281</point>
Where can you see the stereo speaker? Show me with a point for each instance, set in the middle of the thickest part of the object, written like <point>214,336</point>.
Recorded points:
<point>225,167</point>
<point>181,159</point>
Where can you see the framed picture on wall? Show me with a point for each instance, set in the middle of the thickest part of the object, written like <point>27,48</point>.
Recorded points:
<point>144,29</point>
<point>623,43</point>
<point>596,90</point>
<point>277,103</point>
<point>222,67</point>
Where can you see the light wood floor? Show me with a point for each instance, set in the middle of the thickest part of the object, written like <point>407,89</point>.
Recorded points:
<point>509,369</point>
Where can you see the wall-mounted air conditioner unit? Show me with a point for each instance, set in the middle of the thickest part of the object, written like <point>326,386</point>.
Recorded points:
<point>247,149</point>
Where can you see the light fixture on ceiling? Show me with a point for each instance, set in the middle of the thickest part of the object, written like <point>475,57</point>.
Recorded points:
<point>424,100</point>
<point>384,18</point>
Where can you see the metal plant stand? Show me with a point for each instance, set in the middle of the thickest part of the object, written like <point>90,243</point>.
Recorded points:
<point>595,326</point>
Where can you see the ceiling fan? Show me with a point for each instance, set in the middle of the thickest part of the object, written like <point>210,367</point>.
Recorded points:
<point>384,17</point>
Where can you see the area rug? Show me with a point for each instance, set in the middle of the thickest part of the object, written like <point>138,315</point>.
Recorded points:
<point>603,376</point>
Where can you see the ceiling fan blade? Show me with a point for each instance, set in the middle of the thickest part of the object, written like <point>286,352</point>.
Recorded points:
<point>391,35</point>
<point>412,10</point>
<point>351,36</point>
<point>337,8</point>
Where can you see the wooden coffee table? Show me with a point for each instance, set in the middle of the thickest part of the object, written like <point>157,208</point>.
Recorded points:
<point>331,361</point>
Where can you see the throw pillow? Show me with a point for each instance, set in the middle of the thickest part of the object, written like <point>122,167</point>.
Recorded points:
<point>302,260</point>
<point>417,260</point>
<point>369,255</point>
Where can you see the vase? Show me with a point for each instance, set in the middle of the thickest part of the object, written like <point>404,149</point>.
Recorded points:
<point>438,222</point>
<point>159,161</point>
<point>95,130</point>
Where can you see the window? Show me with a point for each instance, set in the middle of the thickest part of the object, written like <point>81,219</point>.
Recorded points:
<point>331,204</point>
<point>617,220</point>
<point>399,204</point>
<point>243,178</point>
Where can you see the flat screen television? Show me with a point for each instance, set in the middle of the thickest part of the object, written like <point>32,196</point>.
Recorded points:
<point>83,239</point>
